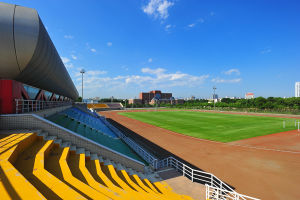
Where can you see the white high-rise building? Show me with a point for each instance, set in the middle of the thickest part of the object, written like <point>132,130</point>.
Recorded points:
<point>297,89</point>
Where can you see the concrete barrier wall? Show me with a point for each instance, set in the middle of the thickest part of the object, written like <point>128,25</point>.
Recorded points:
<point>33,122</point>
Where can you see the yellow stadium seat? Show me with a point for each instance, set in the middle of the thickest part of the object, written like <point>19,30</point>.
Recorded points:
<point>16,186</point>
<point>33,168</point>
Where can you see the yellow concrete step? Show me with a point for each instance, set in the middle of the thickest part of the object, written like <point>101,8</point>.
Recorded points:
<point>93,183</point>
<point>25,164</point>
<point>57,186</point>
<point>15,183</point>
<point>68,177</point>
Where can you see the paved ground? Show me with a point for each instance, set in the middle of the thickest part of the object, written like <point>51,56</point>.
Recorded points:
<point>182,185</point>
<point>262,171</point>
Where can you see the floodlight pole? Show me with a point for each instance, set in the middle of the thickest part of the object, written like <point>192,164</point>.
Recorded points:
<point>214,88</point>
<point>82,71</point>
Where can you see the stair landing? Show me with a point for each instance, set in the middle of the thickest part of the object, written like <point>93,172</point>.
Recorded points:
<point>181,184</point>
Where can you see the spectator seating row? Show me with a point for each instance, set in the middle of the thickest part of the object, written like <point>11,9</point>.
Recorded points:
<point>38,166</point>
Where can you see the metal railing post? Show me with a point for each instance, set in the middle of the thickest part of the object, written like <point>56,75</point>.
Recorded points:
<point>192,175</point>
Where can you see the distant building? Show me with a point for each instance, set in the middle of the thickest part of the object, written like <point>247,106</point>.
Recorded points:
<point>156,97</point>
<point>249,95</point>
<point>297,89</point>
<point>134,101</point>
<point>146,97</point>
<point>172,101</point>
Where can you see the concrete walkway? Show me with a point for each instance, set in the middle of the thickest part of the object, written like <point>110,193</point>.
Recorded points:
<point>181,184</point>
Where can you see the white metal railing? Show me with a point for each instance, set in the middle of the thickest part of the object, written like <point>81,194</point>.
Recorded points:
<point>23,106</point>
<point>215,193</point>
<point>200,176</point>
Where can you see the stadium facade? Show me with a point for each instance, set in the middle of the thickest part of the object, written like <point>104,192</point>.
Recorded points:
<point>30,67</point>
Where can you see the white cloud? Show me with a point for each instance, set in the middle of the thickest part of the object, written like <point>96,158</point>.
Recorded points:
<point>65,59</point>
<point>153,71</point>
<point>162,78</point>
<point>74,57</point>
<point>158,8</point>
<point>219,80</point>
<point>158,77</point>
<point>192,25</point>
<point>168,27</point>
<point>150,60</point>
<point>67,62</point>
<point>93,50</point>
<point>109,44</point>
<point>231,71</point>
<point>69,37</point>
<point>95,72</point>
<point>266,51</point>
<point>91,73</point>
<point>201,20</point>
<point>69,65</point>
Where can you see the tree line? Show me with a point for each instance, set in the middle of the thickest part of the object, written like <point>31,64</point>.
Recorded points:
<point>259,104</point>
<point>276,104</point>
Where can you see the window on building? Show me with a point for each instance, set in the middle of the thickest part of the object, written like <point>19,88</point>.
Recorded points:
<point>48,95</point>
<point>31,91</point>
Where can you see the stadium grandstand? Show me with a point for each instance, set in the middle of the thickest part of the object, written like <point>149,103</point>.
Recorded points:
<point>84,160</point>
<point>54,148</point>
<point>104,106</point>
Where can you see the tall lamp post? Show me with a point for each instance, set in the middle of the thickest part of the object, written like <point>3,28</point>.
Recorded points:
<point>82,71</point>
<point>214,96</point>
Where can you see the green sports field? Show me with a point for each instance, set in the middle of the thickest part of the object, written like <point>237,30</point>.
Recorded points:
<point>214,126</point>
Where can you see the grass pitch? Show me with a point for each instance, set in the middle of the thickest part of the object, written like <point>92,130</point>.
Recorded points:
<point>214,126</point>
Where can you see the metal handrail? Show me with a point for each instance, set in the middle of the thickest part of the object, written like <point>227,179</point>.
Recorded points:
<point>215,193</point>
<point>23,106</point>
<point>201,176</point>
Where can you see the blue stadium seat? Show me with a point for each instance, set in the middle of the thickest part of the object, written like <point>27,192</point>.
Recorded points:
<point>90,120</point>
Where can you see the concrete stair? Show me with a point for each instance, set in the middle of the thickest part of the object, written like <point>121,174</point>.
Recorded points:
<point>148,172</point>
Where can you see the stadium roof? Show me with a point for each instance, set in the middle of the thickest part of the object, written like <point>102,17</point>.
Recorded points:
<point>28,54</point>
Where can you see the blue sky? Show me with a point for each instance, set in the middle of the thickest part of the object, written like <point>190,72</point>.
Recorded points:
<point>180,46</point>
